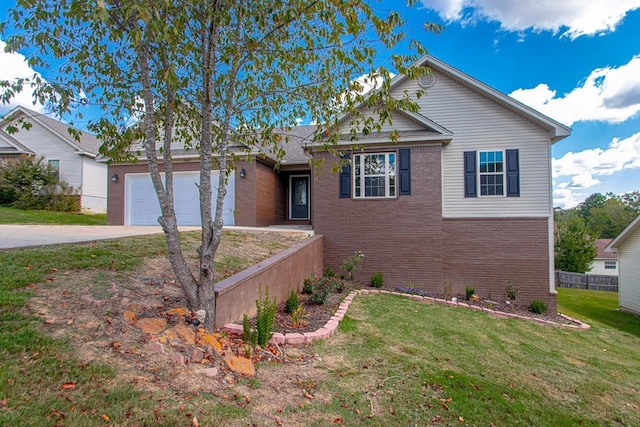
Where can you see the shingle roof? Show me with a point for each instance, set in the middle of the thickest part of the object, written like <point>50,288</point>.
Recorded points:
<point>298,137</point>
<point>601,244</point>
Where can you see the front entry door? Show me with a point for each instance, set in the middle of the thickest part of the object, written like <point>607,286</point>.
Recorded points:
<point>299,194</point>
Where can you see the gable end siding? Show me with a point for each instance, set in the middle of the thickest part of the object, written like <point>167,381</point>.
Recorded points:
<point>629,273</point>
<point>479,124</point>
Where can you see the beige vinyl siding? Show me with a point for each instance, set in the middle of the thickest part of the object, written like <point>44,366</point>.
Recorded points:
<point>629,274</point>
<point>399,122</point>
<point>94,186</point>
<point>479,124</point>
<point>45,143</point>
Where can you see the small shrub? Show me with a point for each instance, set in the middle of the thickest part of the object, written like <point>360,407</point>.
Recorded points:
<point>538,306</point>
<point>329,272</point>
<point>447,288</point>
<point>512,293</point>
<point>246,328</point>
<point>489,305</point>
<point>298,317</point>
<point>338,285</point>
<point>352,263</point>
<point>265,317</point>
<point>291,303</point>
<point>376,280</point>
<point>308,284</point>
<point>470,292</point>
<point>319,296</point>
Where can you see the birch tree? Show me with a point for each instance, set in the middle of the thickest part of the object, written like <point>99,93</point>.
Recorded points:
<point>211,74</point>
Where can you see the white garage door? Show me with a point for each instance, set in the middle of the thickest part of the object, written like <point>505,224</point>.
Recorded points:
<point>141,203</point>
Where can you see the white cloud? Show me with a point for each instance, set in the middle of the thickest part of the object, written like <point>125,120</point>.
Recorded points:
<point>574,17</point>
<point>575,172</point>
<point>608,94</point>
<point>14,65</point>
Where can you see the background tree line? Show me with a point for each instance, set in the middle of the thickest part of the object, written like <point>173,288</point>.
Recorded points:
<point>598,217</point>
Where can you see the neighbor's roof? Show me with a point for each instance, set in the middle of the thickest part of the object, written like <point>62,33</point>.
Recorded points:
<point>13,146</point>
<point>89,144</point>
<point>624,235</point>
<point>601,244</point>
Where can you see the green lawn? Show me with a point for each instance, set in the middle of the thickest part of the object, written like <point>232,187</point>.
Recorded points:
<point>422,364</point>
<point>598,308</point>
<point>19,216</point>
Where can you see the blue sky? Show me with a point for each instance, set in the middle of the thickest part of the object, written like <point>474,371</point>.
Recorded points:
<point>577,61</point>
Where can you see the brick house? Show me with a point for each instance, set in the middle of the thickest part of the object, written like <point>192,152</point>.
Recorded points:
<point>462,197</point>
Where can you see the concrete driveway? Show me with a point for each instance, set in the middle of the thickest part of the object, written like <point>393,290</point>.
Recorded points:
<point>24,236</point>
<point>21,236</point>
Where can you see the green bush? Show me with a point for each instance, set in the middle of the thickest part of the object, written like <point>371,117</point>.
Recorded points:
<point>538,306</point>
<point>329,272</point>
<point>291,303</point>
<point>319,288</point>
<point>26,183</point>
<point>376,280</point>
<point>470,292</point>
<point>265,317</point>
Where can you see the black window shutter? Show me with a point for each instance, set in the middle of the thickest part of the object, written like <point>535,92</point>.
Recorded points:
<point>513,173</point>
<point>404,165</point>
<point>470,176</point>
<point>345,177</point>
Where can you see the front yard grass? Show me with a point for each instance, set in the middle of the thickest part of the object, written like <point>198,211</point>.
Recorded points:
<point>405,363</point>
<point>20,216</point>
<point>394,361</point>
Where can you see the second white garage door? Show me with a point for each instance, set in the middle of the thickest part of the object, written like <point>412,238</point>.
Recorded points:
<point>141,202</point>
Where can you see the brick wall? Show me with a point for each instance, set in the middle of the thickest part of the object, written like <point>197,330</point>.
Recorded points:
<point>402,237</point>
<point>237,295</point>
<point>269,196</point>
<point>489,253</point>
<point>245,203</point>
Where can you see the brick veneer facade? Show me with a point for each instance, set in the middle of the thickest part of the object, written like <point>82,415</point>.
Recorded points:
<point>402,237</point>
<point>407,239</point>
<point>489,253</point>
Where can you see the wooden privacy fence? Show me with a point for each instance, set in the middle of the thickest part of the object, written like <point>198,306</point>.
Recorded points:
<point>592,282</point>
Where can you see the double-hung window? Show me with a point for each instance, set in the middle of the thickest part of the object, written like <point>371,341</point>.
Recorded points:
<point>610,265</point>
<point>374,175</point>
<point>491,173</point>
<point>55,167</point>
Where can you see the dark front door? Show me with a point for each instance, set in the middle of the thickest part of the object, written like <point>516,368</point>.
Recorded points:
<point>299,191</point>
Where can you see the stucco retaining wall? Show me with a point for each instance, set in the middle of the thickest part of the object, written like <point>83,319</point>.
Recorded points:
<point>283,272</point>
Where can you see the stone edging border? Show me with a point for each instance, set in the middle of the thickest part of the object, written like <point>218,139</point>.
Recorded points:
<point>330,327</point>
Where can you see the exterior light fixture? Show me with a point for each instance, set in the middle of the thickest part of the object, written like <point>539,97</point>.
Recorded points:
<point>243,173</point>
<point>114,178</point>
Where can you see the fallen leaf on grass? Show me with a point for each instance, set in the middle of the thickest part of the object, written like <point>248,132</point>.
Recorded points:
<point>105,417</point>
<point>307,395</point>
<point>461,419</point>
<point>69,386</point>
<point>338,420</point>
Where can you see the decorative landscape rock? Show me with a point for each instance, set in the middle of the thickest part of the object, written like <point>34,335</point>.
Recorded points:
<point>186,334</point>
<point>129,317</point>
<point>240,365</point>
<point>151,325</point>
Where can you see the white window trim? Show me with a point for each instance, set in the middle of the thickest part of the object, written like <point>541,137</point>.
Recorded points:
<point>504,174</point>
<point>387,184</point>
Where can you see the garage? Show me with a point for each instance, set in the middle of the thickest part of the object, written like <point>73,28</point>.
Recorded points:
<point>141,202</point>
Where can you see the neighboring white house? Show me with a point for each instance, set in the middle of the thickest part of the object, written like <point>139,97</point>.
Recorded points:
<point>605,263</point>
<point>628,246</point>
<point>50,138</point>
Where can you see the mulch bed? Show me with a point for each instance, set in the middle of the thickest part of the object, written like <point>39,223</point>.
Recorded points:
<point>318,315</point>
